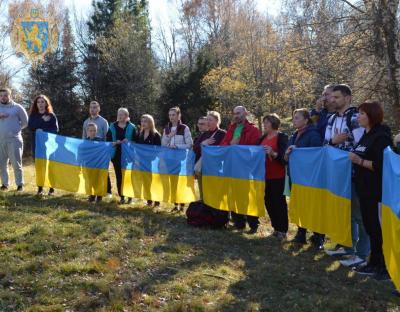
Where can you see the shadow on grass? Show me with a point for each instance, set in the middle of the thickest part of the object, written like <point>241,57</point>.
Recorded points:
<point>259,273</point>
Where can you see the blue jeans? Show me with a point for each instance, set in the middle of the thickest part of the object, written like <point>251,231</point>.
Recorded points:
<point>360,238</point>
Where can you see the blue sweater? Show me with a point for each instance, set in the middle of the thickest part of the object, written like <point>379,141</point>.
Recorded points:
<point>36,122</point>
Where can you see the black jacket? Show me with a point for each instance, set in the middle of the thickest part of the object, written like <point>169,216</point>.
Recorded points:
<point>283,140</point>
<point>152,138</point>
<point>371,147</point>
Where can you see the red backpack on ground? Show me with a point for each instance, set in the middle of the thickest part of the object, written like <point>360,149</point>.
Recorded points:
<point>200,215</point>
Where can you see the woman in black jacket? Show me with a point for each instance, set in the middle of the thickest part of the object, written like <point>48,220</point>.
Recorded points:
<point>368,165</point>
<point>42,118</point>
<point>275,144</point>
<point>148,135</point>
<point>306,135</point>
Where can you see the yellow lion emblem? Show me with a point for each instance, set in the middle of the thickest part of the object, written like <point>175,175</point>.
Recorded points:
<point>34,37</point>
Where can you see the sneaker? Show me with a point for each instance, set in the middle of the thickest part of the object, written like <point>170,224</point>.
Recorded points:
<point>279,235</point>
<point>40,191</point>
<point>99,199</point>
<point>353,261</point>
<point>252,230</point>
<point>382,275</point>
<point>91,198</point>
<point>337,252</point>
<point>109,195</point>
<point>129,201</point>
<point>4,188</point>
<point>20,188</point>
<point>51,192</point>
<point>368,270</point>
<point>318,243</point>
<point>122,201</point>
<point>175,209</point>
<point>299,239</point>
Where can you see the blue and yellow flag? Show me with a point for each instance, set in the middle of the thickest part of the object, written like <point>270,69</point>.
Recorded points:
<point>391,214</point>
<point>321,192</point>
<point>233,178</point>
<point>70,164</point>
<point>158,173</point>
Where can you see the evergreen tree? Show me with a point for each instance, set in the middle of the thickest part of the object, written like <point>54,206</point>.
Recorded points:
<point>119,67</point>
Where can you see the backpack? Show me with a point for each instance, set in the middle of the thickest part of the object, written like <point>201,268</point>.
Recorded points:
<point>200,215</point>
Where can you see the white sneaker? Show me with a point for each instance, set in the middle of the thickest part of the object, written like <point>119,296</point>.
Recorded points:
<point>353,261</point>
<point>109,195</point>
<point>339,252</point>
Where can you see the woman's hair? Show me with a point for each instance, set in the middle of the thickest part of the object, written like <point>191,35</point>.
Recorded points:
<point>374,112</point>
<point>274,120</point>
<point>216,115</point>
<point>304,112</point>
<point>176,109</point>
<point>34,106</point>
<point>150,120</point>
<point>123,110</point>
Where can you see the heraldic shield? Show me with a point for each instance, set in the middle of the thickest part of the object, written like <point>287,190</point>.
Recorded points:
<point>34,35</point>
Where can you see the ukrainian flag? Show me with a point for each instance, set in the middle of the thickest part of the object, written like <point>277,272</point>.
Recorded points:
<point>70,164</point>
<point>158,173</point>
<point>233,178</point>
<point>321,192</point>
<point>391,214</point>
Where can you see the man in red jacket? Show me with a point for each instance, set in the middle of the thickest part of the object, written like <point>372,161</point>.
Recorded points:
<point>242,132</point>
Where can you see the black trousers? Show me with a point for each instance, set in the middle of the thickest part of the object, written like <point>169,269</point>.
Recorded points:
<point>302,231</point>
<point>108,184</point>
<point>370,216</point>
<point>118,173</point>
<point>240,221</point>
<point>276,204</point>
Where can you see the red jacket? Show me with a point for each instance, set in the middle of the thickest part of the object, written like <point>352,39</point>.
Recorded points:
<point>250,134</point>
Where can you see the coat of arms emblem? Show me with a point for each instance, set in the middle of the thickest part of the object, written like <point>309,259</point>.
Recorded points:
<point>33,35</point>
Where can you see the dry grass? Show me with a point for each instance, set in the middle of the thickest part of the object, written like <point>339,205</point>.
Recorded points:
<point>64,254</point>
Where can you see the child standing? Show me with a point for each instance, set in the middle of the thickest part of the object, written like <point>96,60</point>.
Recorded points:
<point>91,132</point>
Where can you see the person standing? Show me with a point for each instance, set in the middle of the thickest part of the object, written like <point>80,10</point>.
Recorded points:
<point>102,130</point>
<point>202,125</point>
<point>119,132</point>
<point>367,158</point>
<point>242,132</point>
<point>91,132</point>
<point>176,135</point>
<point>213,136</point>
<point>13,118</point>
<point>325,108</point>
<point>148,135</point>
<point>344,132</point>
<point>41,118</point>
<point>275,144</point>
<point>397,142</point>
<point>306,135</point>
<point>94,117</point>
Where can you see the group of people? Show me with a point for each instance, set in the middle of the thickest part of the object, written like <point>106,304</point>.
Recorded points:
<point>334,121</point>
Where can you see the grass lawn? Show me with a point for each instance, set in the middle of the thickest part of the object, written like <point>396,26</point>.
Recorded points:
<point>64,254</point>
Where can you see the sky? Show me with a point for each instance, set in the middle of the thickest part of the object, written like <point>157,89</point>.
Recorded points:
<point>162,12</point>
